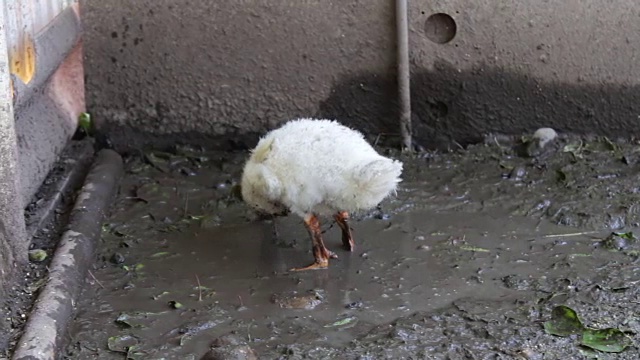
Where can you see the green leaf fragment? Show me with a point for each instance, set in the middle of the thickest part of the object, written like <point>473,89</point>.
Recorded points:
<point>210,221</point>
<point>156,297</point>
<point>157,160</point>
<point>136,355</point>
<point>137,319</point>
<point>84,121</point>
<point>627,236</point>
<point>175,304</point>
<point>617,241</point>
<point>606,340</point>
<point>160,254</point>
<point>342,322</point>
<point>37,285</point>
<point>184,338</point>
<point>474,248</point>
<point>136,267</point>
<point>37,255</point>
<point>121,343</point>
<point>123,319</point>
<point>573,147</point>
<point>564,322</point>
<point>580,255</point>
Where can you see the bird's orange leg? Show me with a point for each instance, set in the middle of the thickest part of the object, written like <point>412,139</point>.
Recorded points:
<point>342,218</point>
<point>320,252</point>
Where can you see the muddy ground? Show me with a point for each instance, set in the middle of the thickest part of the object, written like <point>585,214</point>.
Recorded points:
<point>467,262</point>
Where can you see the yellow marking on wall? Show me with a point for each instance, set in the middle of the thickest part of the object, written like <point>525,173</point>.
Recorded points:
<point>23,60</point>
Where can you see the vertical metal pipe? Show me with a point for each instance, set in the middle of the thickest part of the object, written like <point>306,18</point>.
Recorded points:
<point>404,73</point>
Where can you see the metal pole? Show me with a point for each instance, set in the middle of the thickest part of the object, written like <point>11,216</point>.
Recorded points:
<point>404,73</point>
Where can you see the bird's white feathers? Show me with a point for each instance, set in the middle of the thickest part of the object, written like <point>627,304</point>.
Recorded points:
<point>317,166</point>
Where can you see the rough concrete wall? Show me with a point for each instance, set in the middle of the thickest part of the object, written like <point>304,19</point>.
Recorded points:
<point>39,105</point>
<point>517,65</point>
<point>13,244</point>
<point>47,108</point>
<point>193,71</point>
<point>206,68</point>
<point>46,123</point>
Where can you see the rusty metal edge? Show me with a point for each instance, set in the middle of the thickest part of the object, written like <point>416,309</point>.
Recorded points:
<point>52,45</point>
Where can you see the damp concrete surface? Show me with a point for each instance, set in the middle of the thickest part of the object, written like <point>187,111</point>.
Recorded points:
<point>467,261</point>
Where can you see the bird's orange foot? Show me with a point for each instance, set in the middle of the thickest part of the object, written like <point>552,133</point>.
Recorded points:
<point>342,218</point>
<point>348,243</point>
<point>315,266</point>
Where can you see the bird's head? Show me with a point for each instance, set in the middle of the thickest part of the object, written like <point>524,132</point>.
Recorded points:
<point>261,190</point>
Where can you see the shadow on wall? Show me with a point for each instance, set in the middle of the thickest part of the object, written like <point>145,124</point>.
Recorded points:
<point>451,107</point>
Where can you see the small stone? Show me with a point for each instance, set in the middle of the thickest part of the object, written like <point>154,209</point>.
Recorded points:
<point>117,258</point>
<point>221,186</point>
<point>517,173</point>
<point>543,136</point>
<point>240,352</point>
<point>529,354</point>
<point>37,255</point>
<point>187,172</point>
<point>175,305</point>
<point>382,216</point>
<point>295,301</point>
<point>355,305</point>
<point>226,340</point>
<point>540,139</point>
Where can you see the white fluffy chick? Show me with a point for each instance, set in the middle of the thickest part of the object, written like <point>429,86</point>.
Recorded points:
<point>317,167</point>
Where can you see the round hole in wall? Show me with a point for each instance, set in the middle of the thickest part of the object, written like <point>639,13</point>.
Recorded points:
<point>440,28</point>
<point>440,109</point>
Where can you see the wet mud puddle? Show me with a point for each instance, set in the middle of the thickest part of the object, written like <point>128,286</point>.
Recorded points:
<point>438,273</point>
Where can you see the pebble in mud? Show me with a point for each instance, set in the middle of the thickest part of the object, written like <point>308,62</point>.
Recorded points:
<point>544,136</point>
<point>229,347</point>
<point>529,354</point>
<point>37,255</point>
<point>292,301</point>
<point>117,258</point>
<point>354,305</point>
<point>233,352</point>
<point>541,138</point>
<point>187,172</point>
<point>517,173</point>
<point>382,216</point>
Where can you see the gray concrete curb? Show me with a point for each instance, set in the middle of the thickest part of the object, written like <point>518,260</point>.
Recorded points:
<point>44,333</point>
<point>79,158</point>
